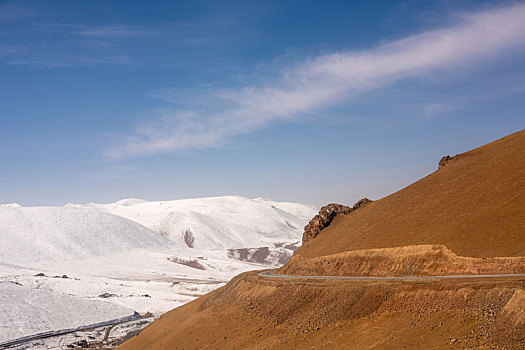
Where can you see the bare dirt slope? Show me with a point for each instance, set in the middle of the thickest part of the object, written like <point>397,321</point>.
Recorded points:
<point>474,205</point>
<point>461,219</point>
<point>253,312</point>
<point>413,260</point>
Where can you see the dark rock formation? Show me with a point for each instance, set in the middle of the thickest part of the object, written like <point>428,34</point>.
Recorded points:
<point>255,255</point>
<point>360,203</point>
<point>326,216</point>
<point>189,238</point>
<point>193,263</point>
<point>443,161</point>
<point>323,219</point>
<point>107,295</point>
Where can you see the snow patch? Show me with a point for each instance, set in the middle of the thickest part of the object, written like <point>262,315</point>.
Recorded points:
<point>27,311</point>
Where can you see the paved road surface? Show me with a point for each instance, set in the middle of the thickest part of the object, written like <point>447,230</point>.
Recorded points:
<point>272,274</point>
<point>50,334</point>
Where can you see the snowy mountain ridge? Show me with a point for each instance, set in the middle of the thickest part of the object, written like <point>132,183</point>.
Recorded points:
<point>134,255</point>
<point>229,222</point>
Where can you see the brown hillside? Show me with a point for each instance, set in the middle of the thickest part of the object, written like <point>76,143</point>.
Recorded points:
<point>413,260</point>
<point>466,218</point>
<point>254,312</point>
<point>474,205</point>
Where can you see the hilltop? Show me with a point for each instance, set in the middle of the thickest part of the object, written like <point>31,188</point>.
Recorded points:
<point>473,205</point>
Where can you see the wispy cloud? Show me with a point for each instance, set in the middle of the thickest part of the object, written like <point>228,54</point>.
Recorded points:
<point>12,11</point>
<point>327,80</point>
<point>46,44</point>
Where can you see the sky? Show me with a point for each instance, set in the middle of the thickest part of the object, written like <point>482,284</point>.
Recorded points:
<point>304,101</point>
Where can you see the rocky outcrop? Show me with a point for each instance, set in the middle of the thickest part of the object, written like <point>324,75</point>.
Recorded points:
<point>443,161</point>
<point>360,203</point>
<point>446,159</point>
<point>326,216</point>
<point>323,219</point>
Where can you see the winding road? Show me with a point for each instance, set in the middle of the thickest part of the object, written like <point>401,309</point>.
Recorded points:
<point>267,273</point>
<point>272,274</point>
<point>50,334</point>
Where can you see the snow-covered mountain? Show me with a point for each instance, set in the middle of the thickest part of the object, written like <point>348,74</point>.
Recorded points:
<point>257,230</point>
<point>138,255</point>
<point>228,222</point>
<point>43,234</point>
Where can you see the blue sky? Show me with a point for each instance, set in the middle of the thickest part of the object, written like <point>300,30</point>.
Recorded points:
<point>307,101</point>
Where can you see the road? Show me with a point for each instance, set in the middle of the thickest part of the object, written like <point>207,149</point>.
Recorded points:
<point>23,340</point>
<point>271,273</point>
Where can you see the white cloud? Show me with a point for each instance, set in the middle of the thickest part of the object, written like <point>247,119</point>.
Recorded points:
<point>328,80</point>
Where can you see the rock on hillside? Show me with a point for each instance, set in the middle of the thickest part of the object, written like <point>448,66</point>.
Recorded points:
<point>325,217</point>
